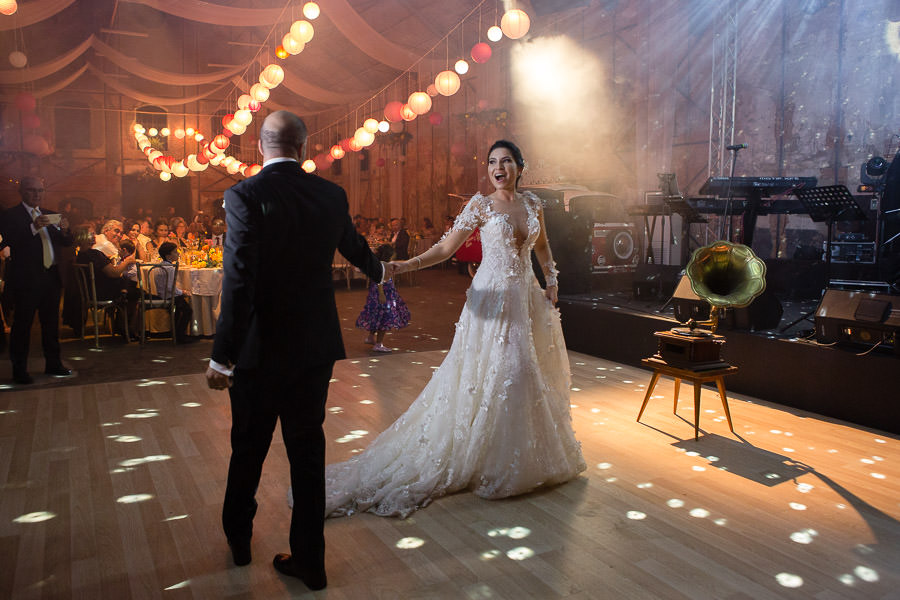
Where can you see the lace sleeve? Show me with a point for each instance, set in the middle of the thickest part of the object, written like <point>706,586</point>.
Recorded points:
<point>472,216</point>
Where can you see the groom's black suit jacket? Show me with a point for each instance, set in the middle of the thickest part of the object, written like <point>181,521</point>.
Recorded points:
<point>278,310</point>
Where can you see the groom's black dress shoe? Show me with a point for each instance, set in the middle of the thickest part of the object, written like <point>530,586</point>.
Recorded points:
<point>240,552</point>
<point>284,565</point>
<point>58,371</point>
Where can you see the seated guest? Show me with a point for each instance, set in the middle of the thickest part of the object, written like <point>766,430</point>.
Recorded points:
<point>160,236</point>
<point>130,275</point>
<point>107,241</point>
<point>168,251</point>
<point>108,279</point>
<point>143,238</point>
<point>133,235</point>
<point>178,232</point>
<point>399,240</point>
<point>217,235</point>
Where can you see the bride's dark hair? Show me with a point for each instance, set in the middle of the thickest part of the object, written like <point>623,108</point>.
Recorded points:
<point>516,154</point>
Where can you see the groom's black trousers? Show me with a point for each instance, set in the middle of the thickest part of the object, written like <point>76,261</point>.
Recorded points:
<point>258,399</point>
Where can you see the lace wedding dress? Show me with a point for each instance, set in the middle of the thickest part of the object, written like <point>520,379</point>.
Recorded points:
<point>495,416</point>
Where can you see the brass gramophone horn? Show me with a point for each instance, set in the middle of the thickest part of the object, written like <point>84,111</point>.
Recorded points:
<point>726,275</point>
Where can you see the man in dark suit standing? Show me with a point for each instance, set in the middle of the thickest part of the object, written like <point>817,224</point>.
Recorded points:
<point>34,237</point>
<point>279,335</point>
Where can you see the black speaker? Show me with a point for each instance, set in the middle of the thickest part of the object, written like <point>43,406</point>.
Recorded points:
<point>762,314</point>
<point>857,317</point>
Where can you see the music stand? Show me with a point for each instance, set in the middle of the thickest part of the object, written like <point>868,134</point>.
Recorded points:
<point>827,204</point>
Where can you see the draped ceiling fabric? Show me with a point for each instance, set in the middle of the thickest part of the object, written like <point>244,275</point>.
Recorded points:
<point>33,12</point>
<point>345,19</point>
<point>147,98</point>
<point>52,89</point>
<point>46,69</point>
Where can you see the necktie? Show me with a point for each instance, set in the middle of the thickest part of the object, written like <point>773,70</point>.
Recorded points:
<point>45,241</point>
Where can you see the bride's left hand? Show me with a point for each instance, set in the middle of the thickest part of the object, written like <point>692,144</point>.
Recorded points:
<point>550,293</point>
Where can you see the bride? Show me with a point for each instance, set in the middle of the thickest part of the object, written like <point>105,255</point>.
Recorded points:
<point>495,416</point>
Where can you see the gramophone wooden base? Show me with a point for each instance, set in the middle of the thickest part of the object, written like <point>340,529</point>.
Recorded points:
<point>698,378</point>
<point>695,351</point>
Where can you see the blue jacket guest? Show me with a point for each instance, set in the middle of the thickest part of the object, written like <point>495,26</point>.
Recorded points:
<point>278,337</point>
<point>34,237</point>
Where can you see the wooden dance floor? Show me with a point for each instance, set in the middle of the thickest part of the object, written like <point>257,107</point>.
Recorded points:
<point>114,490</point>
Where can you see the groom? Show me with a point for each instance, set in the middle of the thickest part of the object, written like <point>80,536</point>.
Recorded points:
<point>278,336</point>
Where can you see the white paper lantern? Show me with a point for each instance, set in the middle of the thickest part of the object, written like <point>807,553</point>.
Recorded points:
<point>271,76</point>
<point>152,131</point>
<point>447,83</point>
<point>461,67</point>
<point>370,125</point>
<point>18,59</point>
<point>259,92</point>
<point>419,102</point>
<point>308,165</point>
<point>233,167</point>
<point>311,11</point>
<point>495,34</point>
<point>337,152</point>
<point>8,7</point>
<point>291,44</point>
<point>302,31</point>
<point>243,117</point>
<point>164,132</point>
<point>243,101</point>
<point>165,176</point>
<point>384,126</point>
<point>515,23</point>
<point>179,169</point>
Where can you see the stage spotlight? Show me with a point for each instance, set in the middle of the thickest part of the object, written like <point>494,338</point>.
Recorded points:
<point>876,166</point>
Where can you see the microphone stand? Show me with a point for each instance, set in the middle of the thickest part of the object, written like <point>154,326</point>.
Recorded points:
<point>727,216</point>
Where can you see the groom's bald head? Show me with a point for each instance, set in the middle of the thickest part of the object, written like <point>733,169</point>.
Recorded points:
<point>282,134</point>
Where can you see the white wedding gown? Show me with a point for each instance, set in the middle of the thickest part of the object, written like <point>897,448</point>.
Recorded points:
<point>495,416</point>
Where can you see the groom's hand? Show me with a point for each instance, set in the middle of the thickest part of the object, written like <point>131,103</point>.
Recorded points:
<point>216,380</point>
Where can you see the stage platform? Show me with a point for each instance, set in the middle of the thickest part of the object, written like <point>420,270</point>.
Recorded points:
<point>788,367</point>
<point>114,490</point>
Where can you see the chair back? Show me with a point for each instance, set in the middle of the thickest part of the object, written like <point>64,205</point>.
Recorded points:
<point>149,276</point>
<point>87,286</point>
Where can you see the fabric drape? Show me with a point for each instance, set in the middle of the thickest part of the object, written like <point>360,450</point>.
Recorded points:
<point>33,12</point>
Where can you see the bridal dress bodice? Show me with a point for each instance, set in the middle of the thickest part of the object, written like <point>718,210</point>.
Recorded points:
<point>494,417</point>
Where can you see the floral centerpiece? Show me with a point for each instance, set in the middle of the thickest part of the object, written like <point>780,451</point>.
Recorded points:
<point>205,257</point>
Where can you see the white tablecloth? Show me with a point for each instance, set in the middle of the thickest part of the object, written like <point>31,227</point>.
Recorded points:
<point>205,287</point>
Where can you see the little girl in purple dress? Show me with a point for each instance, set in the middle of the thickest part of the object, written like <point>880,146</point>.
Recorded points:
<point>384,309</point>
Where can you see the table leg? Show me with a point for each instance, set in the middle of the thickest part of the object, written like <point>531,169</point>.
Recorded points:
<point>675,402</point>
<point>697,388</point>
<point>720,383</point>
<point>650,387</point>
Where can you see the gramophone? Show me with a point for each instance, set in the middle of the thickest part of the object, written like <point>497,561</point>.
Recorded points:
<point>726,275</point>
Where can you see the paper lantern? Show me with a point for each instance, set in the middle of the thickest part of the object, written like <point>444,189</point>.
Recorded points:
<point>259,92</point>
<point>365,138</point>
<point>291,44</point>
<point>446,83</point>
<point>280,52</point>
<point>461,67</point>
<point>35,144</point>
<point>308,166</point>
<point>165,176</point>
<point>228,132</point>
<point>494,33</point>
<point>345,144</point>
<point>481,52</point>
<point>233,167</point>
<point>431,90</point>
<point>311,11</point>
<point>322,163</point>
<point>153,155</point>
<point>219,143</point>
<point>254,105</point>
<point>217,160</point>
<point>337,152</point>
<point>179,133</point>
<point>189,131</point>
<point>355,145</point>
<point>271,76</point>
<point>18,59</point>
<point>236,128</point>
<point>8,7</point>
<point>380,162</point>
<point>302,31</point>
<point>152,132</point>
<point>191,162</point>
<point>198,137</point>
<point>203,156</point>
<point>419,102</point>
<point>31,121</point>
<point>515,23</point>
<point>408,113</point>
<point>384,126</point>
<point>243,101</point>
<point>226,161</point>
<point>392,111</point>
<point>370,125</point>
<point>227,119</point>
<point>243,117</point>
<point>164,132</point>
<point>25,102</point>
<point>435,118</point>
<point>253,170</point>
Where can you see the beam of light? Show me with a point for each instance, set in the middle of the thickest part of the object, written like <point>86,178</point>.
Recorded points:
<point>181,584</point>
<point>111,423</point>
<point>604,466</point>
<point>520,553</point>
<point>8,412</point>
<point>699,513</point>
<point>133,498</point>
<point>35,517</point>
<point>518,533</point>
<point>797,506</point>
<point>804,536</point>
<point>191,404</point>
<point>675,503</point>
<point>789,580</point>
<point>133,462</point>
<point>176,518</point>
<point>489,555</point>
<point>409,543</point>
<point>366,402</point>
<point>148,383</point>
<point>636,515</point>
<point>143,415</point>
<point>892,37</point>
<point>866,574</point>
<point>126,439</point>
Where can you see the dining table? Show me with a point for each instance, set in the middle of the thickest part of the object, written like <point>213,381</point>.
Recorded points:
<point>205,288</point>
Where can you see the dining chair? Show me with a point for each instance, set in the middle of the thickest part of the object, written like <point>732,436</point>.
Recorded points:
<point>152,298</point>
<point>340,264</point>
<point>87,288</point>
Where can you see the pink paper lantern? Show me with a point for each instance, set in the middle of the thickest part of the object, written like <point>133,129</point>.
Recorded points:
<point>25,102</point>
<point>435,118</point>
<point>393,111</point>
<point>481,52</point>
<point>31,121</point>
<point>380,162</point>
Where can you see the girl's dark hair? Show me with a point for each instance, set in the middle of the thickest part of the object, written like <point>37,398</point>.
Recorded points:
<point>384,252</point>
<point>514,150</point>
<point>127,246</point>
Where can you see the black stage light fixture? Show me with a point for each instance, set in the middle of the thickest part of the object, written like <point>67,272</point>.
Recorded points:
<point>873,170</point>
